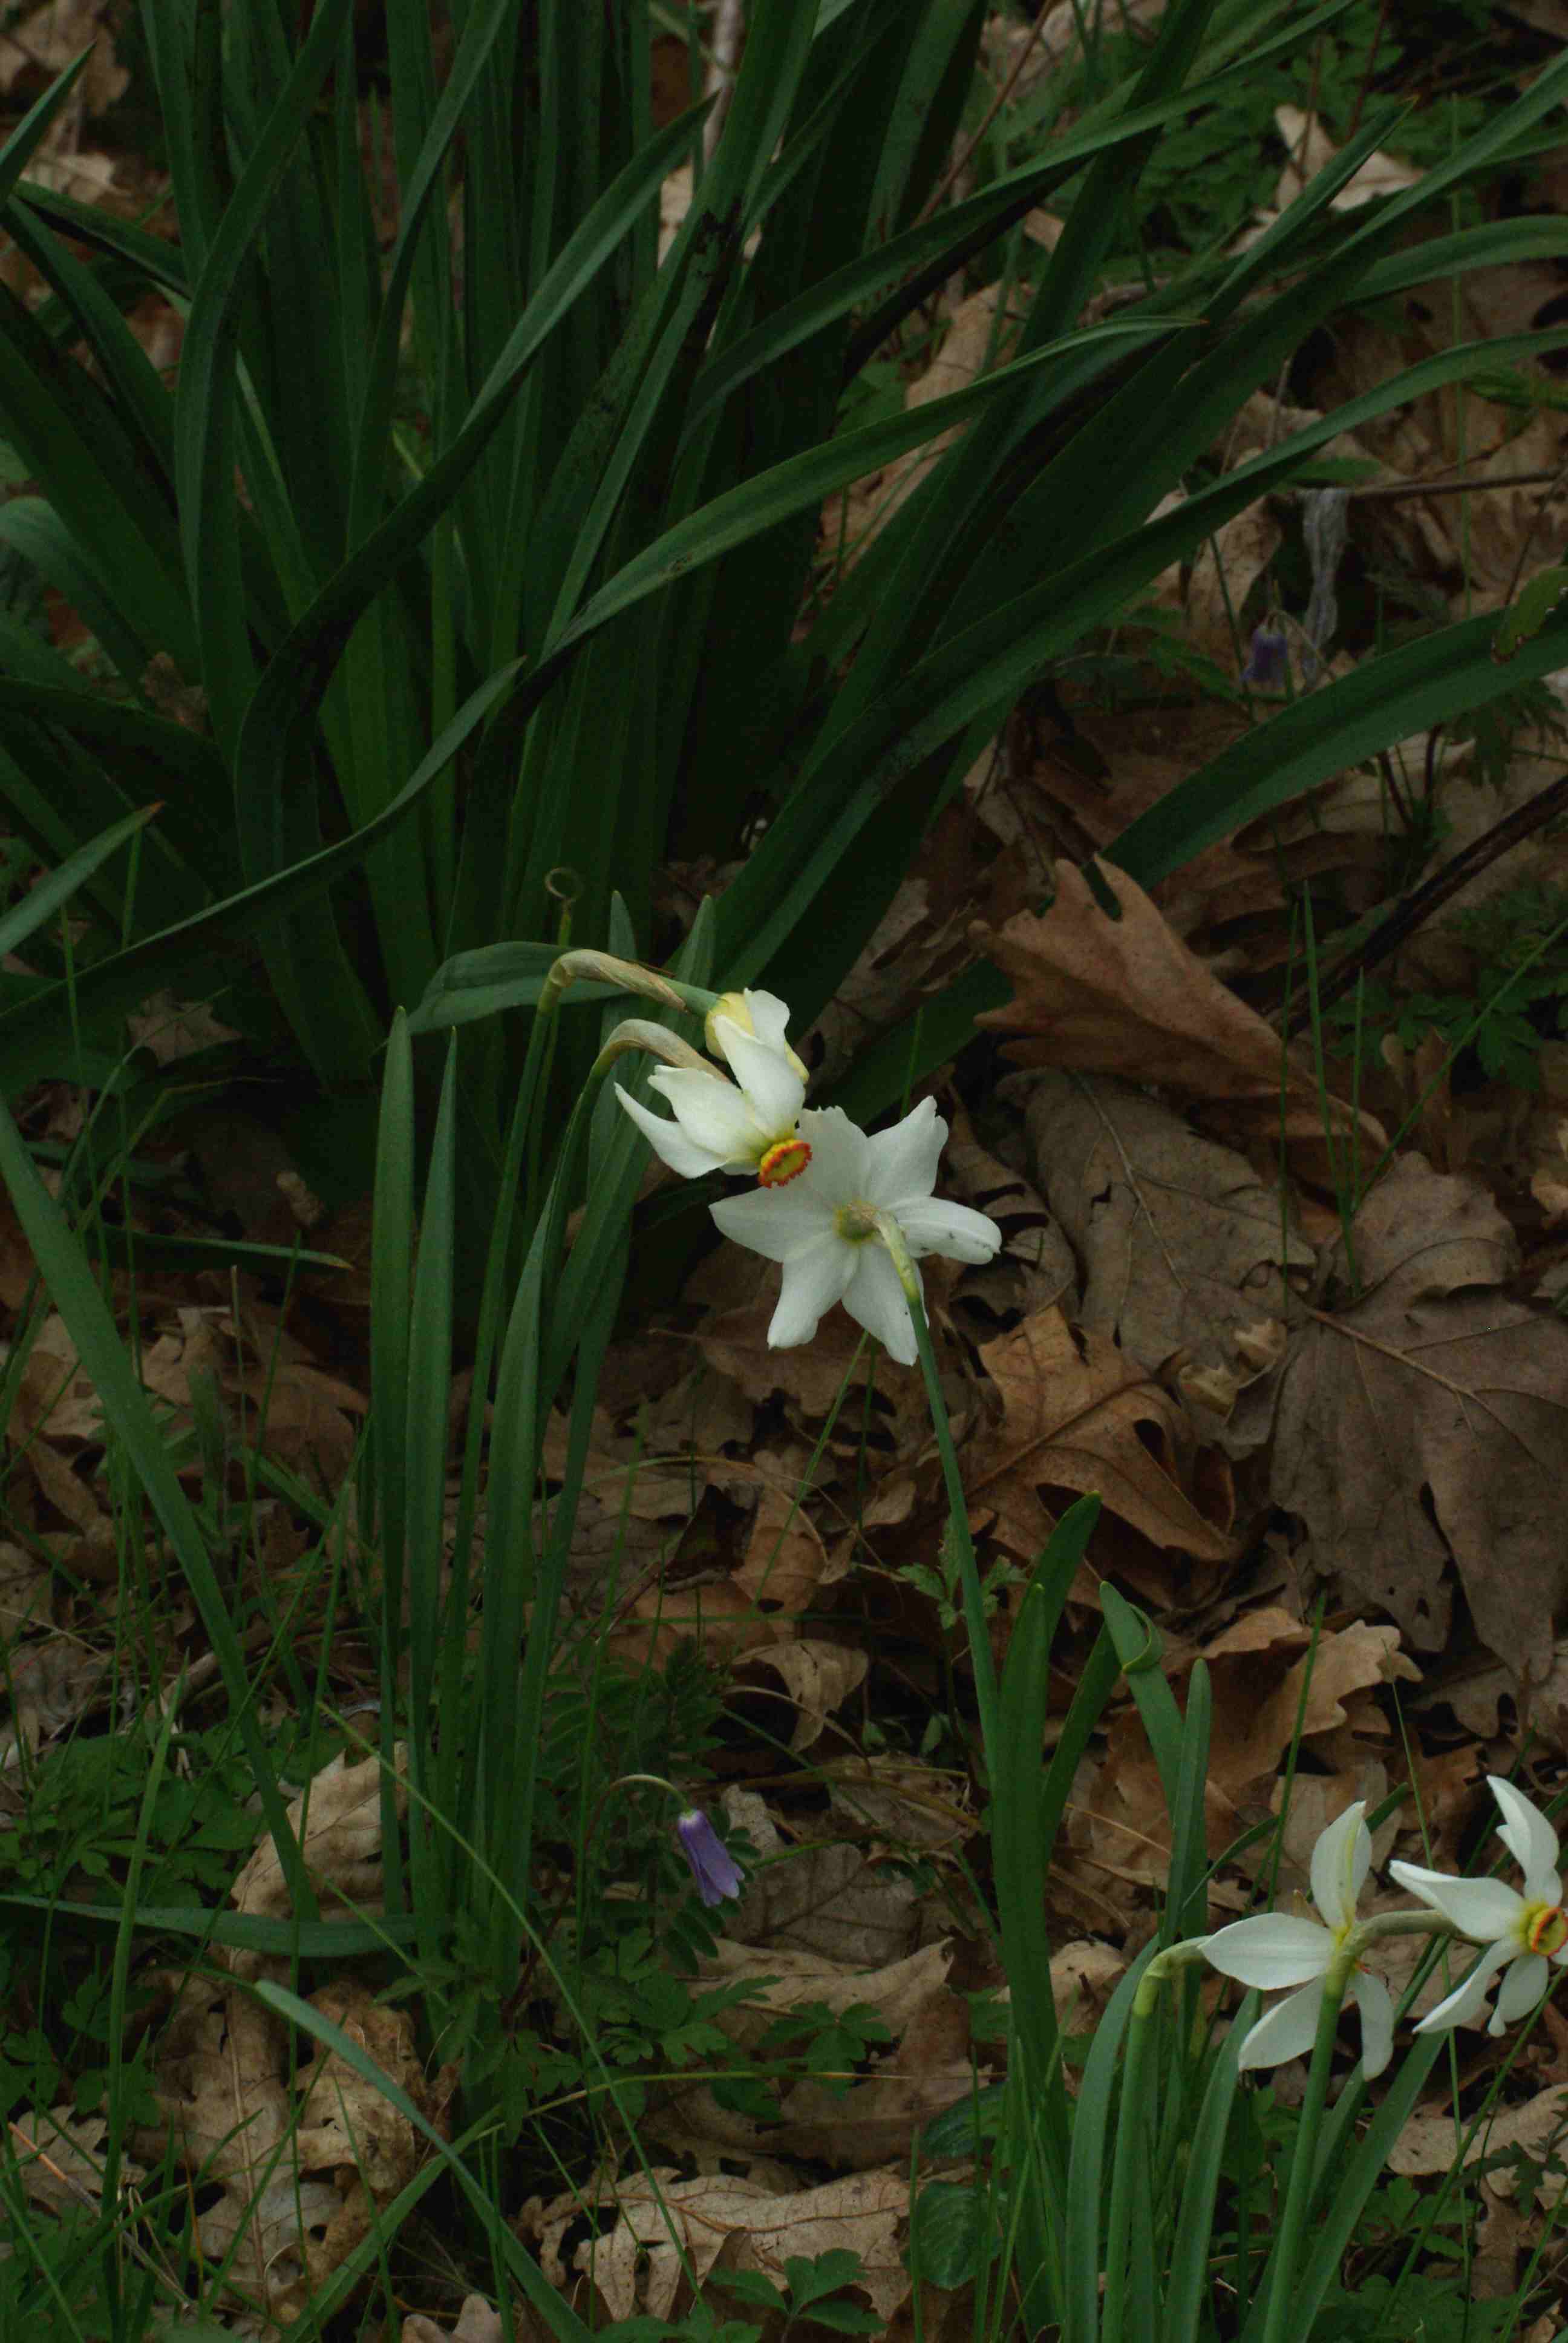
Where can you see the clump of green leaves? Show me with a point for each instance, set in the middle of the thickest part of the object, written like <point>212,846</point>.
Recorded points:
<point>1517,1000</point>
<point>1209,174</point>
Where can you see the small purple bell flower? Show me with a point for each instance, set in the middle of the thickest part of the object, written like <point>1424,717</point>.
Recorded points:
<point>715,1870</point>
<point>1270,663</point>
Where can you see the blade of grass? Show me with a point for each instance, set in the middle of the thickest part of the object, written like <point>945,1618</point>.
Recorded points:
<point>65,1270</point>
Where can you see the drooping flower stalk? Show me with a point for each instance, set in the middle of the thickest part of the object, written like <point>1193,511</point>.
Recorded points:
<point>751,1124</point>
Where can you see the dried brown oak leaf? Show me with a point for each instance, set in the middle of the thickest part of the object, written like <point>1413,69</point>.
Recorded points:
<point>1078,1414</point>
<point>1180,1243</point>
<point>1426,1424</point>
<point>477,2323</point>
<point>1126,997</point>
<point>671,2229</point>
<point>927,2067</point>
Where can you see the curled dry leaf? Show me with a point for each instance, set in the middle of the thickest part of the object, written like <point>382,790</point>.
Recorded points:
<point>348,2127</point>
<point>225,2081</point>
<point>1266,1673</point>
<point>1424,1429</point>
<point>904,1804</point>
<point>1084,1974</point>
<point>218,2081</point>
<point>822,1898</point>
<point>26,1591</point>
<point>818,1678</point>
<point>337,1823</point>
<point>1428,2143</point>
<point>49,1682</point>
<point>477,2323</point>
<point>974,335</point>
<point>273,1397</point>
<point>59,2159</point>
<point>53,36</point>
<point>1035,1266</point>
<point>344,2121</point>
<point>1309,150</point>
<point>785,1561</point>
<point>1077,1415</point>
<point>637,2266</point>
<point>1261,1669</point>
<point>1222,573</point>
<point>1541,1704</point>
<point>1125,996</point>
<point>1180,1242</point>
<point>782,1978</point>
<point>928,2066</point>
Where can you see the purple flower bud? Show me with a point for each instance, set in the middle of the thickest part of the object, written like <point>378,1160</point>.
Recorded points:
<point>1270,662</point>
<point>715,1870</point>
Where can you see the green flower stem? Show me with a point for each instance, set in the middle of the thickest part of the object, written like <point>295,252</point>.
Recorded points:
<point>622,1782</point>
<point>1186,1955</point>
<point>1129,2170</point>
<point>980,1660</point>
<point>541,1270</point>
<point>1277,2327</point>
<point>1425,1922</point>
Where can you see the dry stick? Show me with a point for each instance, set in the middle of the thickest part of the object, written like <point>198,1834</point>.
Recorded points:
<point>1417,909</point>
<point>1355,121</point>
<point>966,154</point>
<point>1391,490</point>
<point>723,59</point>
<point>1541,504</point>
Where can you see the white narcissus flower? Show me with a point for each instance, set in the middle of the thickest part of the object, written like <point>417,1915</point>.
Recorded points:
<point>1522,1933</point>
<point>823,1229</point>
<point>1273,1949</point>
<point>746,1125</point>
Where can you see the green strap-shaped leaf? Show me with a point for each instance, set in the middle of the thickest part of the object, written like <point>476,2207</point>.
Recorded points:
<point>204,412</point>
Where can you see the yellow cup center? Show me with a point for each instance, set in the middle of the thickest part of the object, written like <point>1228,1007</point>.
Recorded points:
<point>783,1162</point>
<point>1546,1930</point>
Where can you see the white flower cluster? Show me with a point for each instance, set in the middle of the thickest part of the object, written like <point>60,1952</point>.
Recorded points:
<point>1522,1933</point>
<point>822,1182</point>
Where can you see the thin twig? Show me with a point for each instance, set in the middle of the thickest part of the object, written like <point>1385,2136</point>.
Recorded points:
<point>1469,485</point>
<point>1417,909</point>
<point>1355,120</point>
<point>966,157</point>
<point>1536,519</point>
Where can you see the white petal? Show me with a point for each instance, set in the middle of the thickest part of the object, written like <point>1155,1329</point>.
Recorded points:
<point>773,1089</point>
<point>875,1299</point>
<point>813,1280</point>
<point>1287,2031</point>
<point>1341,1861</point>
<point>1530,1839</point>
<point>954,1230</point>
<point>1521,1989</point>
<point>903,1160</point>
<point>1273,1949</point>
<point>769,1019</point>
<point>838,1166</point>
<point>776,1222</point>
<point>1464,2003</point>
<point>1377,2022</point>
<point>669,1142</point>
<point>1486,1909</point>
<point>713,1113</point>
